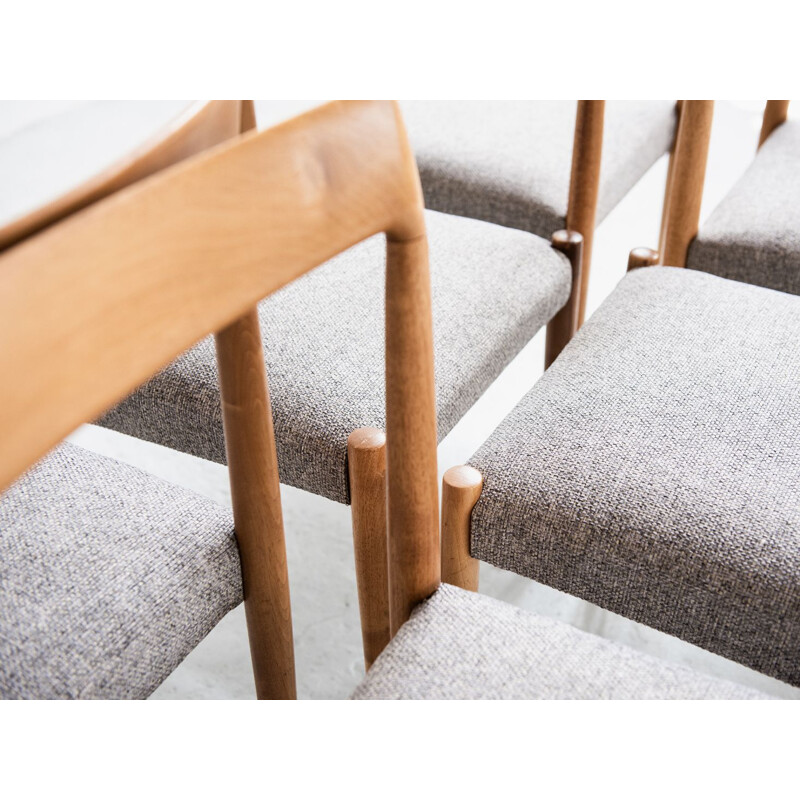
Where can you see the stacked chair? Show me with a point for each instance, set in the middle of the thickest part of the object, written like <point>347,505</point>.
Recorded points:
<point>116,575</point>
<point>493,289</point>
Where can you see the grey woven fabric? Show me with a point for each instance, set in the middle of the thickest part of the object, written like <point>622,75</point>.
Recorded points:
<point>460,645</point>
<point>754,233</point>
<point>493,288</point>
<point>654,469</point>
<point>109,577</point>
<point>510,162</point>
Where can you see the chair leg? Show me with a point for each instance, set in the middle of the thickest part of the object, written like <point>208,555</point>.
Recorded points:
<point>668,184</point>
<point>775,113</point>
<point>562,327</point>
<point>584,183</point>
<point>256,496</point>
<point>366,456</point>
<point>461,488</point>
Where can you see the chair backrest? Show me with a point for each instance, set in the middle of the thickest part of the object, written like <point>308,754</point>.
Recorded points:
<point>199,126</point>
<point>94,305</point>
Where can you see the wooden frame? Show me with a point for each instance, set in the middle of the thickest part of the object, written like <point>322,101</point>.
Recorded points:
<point>565,323</point>
<point>201,126</point>
<point>775,114</point>
<point>584,186</point>
<point>129,283</point>
<point>685,179</point>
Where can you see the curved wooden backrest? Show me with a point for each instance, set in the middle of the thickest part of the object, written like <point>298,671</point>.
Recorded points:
<point>96,304</point>
<point>201,126</point>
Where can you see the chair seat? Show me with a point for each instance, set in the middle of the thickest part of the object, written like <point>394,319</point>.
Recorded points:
<point>654,468</point>
<point>493,289</point>
<point>109,577</point>
<point>754,233</point>
<point>510,162</point>
<point>54,154</point>
<point>458,645</point>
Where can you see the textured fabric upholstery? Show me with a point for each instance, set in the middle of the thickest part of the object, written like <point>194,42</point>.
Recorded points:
<point>510,162</point>
<point>493,288</point>
<point>654,468</point>
<point>109,577</point>
<point>754,233</point>
<point>464,646</point>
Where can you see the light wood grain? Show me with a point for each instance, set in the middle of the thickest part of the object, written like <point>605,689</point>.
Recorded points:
<point>256,496</point>
<point>563,325</point>
<point>412,490</point>
<point>202,126</point>
<point>584,184</point>
<point>775,114</point>
<point>96,304</point>
<point>686,180</point>
<point>668,185</point>
<point>129,283</point>
<point>461,488</point>
<point>366,459</point>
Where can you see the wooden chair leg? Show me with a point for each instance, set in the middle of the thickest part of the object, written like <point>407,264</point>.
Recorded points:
<point>256,496</point>
<point>461,488</point>
<point>412,491</point>
<point>775,114</point>
<point>366,456</point>
<point>686,181</point>
<point>584,184</point>
<point>668,185</point>
<point>562,327</point>
<point>642,257</point>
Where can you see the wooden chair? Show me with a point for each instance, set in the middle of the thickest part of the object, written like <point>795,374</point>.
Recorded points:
<point>323,346</point>
<point>128,284</point>
<point>652,470</point>
<point>206,237</point>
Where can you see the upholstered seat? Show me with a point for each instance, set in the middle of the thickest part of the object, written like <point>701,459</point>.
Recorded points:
<point>493,289</point>
<point>754,233</point>
<point>654,468</point>
<point>459,645</point>
<point>109,577</point>
<point>509,162</point>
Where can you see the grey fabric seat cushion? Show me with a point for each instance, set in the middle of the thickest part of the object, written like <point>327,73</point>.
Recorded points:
<point>493,288</point>
<point>654,469</point>
<point>458,645</point>
<point>754,233</point>
<point>109,577</point>
<point>510,162</point>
